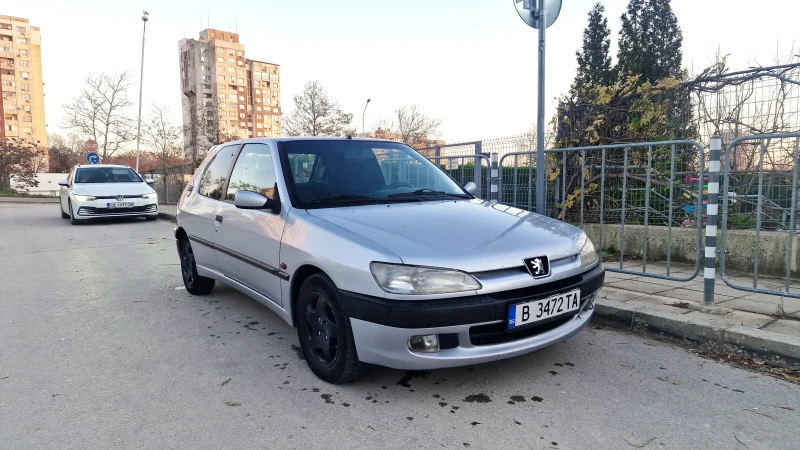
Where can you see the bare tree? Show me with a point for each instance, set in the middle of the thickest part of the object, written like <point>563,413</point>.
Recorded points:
<point>164,139</point>
<point>528,141</point>
<point>64,152</point>
<point>100,112</point>
<point>411,126</point>
<point>753,101</point>
<point>204,129</point>
<point>315,114</point>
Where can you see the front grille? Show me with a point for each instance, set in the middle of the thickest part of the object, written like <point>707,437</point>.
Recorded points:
<point>136,210</point>
<point>113,197</point>
<point>498,333</point>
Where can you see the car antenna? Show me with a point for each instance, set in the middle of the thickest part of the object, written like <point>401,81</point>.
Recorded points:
<point>349,136</point>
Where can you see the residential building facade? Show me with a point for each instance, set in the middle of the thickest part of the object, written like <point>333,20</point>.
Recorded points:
<point>21,83</point>
<point>226,95</point>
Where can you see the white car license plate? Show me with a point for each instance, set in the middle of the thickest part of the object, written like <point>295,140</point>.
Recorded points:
<point>529,312</point>
<point>119,205</point>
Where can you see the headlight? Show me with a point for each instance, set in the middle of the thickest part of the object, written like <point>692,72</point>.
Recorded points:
<point>84,198</point>
<point>151,196</point>
<point>588,253</point>
<point>400,279</point>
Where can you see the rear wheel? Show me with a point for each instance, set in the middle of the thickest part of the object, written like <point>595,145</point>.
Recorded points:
<point>324,331</point>
<point>195,284</point>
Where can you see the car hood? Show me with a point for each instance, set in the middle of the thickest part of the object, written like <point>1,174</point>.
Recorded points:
<point>473,235</point>
<point>108,189</point>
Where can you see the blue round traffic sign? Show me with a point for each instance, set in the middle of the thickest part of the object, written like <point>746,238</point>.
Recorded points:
<point>93,158</point>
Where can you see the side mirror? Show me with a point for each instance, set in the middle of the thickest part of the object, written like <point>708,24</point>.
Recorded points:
<point>252,200</point>
<point>471,187</point>
<point>64,183</point>
<point>149,180</point>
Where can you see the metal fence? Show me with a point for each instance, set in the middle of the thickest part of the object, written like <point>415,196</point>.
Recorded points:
<point>170,181</point>
<point>644,184</point>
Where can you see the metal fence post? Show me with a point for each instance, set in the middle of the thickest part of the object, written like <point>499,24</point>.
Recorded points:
<point>709,274</point>
<point>494,180</point>
<point>478,168</point>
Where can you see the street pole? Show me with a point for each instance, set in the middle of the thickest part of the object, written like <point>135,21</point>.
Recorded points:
<point>541,178</point>
<point>362,115</point>
<point>145,17</point>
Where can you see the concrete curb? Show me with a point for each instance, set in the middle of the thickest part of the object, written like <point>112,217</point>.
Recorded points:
<point>700,333</point>
<point>167,216</point>
<point>28,200</point>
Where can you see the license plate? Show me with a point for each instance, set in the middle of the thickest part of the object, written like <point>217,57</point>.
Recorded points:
<point>529,312</point>
<point>119,205</point>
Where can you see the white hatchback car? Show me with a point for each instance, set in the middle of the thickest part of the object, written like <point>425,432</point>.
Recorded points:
<point>106,190</point>
<point>377,256</point>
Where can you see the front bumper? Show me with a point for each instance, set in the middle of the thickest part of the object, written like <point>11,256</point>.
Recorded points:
<point>99,208</point>
<point>472,330</point>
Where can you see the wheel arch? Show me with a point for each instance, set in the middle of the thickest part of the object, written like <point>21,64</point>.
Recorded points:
<point>298,278</point>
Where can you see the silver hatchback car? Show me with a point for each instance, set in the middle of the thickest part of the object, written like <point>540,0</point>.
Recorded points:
<point>377,256</point>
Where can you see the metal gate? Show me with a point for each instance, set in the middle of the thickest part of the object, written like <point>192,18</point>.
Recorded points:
<point>768,201</point>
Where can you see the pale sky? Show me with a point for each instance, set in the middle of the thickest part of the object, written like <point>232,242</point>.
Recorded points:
<point>471,63</point>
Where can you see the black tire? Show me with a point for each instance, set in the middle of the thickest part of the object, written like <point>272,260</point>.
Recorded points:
<point>325,333</point>
<point>195,284</point>
<point>72,218</point>
<point>151,217</point>
<point>63,214</point>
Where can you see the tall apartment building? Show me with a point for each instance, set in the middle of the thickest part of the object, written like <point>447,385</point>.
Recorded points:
<point>225,93</point>
<point>21,85</point>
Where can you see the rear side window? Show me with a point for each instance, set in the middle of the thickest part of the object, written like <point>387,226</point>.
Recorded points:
<point>254,171</point>
<point>213,181</point>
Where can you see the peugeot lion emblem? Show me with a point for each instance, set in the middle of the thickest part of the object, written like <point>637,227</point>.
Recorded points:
<point>538,267</point>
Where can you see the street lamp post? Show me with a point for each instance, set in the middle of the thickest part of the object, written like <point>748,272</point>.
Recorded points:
<point>145,17</point>
<point>362,116</point>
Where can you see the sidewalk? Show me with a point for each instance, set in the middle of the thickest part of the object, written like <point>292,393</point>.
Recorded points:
<point>760,325</point>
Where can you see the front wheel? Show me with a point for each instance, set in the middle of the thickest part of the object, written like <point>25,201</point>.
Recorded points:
<point>324,331</point>
<point>194,283</point>
<point>72,218</point>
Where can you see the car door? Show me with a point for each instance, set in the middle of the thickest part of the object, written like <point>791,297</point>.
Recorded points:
<point>198,207</point>
<point>247,241</point>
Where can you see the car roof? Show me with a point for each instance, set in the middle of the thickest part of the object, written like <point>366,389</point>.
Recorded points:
<point>306,138</point>
<point>90,166</point>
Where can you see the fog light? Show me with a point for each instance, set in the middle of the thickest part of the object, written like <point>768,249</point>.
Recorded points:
<point>428,343</point>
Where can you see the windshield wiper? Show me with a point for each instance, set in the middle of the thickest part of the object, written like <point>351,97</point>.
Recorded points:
<point>430,192</point>
<point>345,198</point>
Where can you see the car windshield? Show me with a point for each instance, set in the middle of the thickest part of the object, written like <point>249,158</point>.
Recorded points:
<point>322,173</point>
<point>107,175</point>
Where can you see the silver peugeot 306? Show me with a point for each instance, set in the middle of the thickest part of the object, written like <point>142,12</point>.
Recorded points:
<point>377,256</point>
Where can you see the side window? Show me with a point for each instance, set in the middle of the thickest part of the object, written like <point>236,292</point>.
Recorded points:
<point>213,180</point>
<point>71,176</point>
<point>302,165</point>
<point>253,172</point>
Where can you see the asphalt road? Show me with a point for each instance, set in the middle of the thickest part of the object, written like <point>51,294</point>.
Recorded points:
<point>100,347</point>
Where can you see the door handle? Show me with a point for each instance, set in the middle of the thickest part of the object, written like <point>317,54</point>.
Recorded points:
<point>218,219</point>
